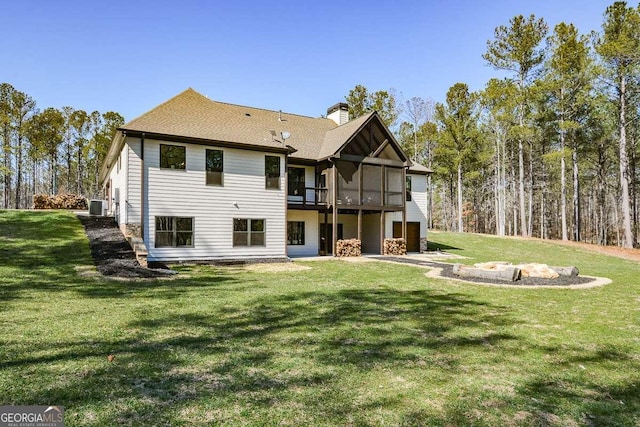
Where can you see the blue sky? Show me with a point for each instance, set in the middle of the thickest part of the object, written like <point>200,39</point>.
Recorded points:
<point>297,56</point>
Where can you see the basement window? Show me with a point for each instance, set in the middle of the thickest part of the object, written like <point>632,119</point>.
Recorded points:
<point>248,232</point>
<point>174,232</point>
<point>295,232</point>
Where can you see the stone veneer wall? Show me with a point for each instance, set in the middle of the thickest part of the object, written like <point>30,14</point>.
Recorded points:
<point>423,244</point>
<point>131,230</point>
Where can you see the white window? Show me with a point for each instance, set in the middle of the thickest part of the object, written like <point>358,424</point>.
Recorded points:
<point>173,231</point>
<point>248,232</point>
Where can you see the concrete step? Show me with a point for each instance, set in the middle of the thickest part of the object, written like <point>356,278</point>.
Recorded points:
<point>140,249</point>
<point>142,260</point>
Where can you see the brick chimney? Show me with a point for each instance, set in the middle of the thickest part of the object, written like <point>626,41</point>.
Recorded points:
<point>339,113</point>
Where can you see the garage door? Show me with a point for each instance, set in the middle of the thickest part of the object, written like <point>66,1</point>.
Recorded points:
<point>413,235</point>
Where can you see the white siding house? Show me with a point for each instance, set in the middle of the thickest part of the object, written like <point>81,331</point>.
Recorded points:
<point>416,208</point>
<point>198,180</point>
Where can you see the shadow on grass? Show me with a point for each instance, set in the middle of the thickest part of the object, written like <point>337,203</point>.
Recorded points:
<point>568,394</point>
<point>38,252</point>
<point>276,348</point>
<point>298,350</point>
<point>571,389</point>
<point>600,405</point>
<point>435,246</point>
<point>165,289</point>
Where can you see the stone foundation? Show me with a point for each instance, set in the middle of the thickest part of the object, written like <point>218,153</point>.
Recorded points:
<point>423,244</point>
<point>131,230</point>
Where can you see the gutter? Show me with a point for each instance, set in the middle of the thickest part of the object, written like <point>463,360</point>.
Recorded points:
<point>114,149</point>
<point>207,142</point>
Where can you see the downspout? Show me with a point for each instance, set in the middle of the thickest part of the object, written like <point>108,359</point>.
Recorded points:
<point>334,202</point>
<point>403,184</point>
<point>142,186</point>
<point>290,150</point>
<point>286,203</point>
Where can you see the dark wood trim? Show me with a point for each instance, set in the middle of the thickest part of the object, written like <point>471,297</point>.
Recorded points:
<point>383,192</point>
<point>286,205</point>
<point>372,160</point>
<point>142,192</point>
<point>207,142</point>
<point>301,207</point>
<point>360,184</point>
<point>302,162</point>
<point>370,208</point>
<point>334,238</point>
<point>404,205</point>
<point>404,225</point>
<point>326,241</point>
<point>381,148</point>
<point>382,218</point>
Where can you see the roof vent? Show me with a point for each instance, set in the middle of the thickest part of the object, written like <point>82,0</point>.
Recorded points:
<point>339,113</point>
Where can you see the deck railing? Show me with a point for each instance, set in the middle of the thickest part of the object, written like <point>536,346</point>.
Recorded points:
<point>309,197</point>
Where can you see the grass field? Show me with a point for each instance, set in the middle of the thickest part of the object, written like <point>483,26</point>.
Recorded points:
<point>339,343</point>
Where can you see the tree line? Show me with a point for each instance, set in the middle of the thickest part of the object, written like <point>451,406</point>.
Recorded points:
<point>551,150</point>
<point>50,151</point>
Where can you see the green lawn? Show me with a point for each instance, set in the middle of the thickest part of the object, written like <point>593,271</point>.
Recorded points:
<point>339,344</point>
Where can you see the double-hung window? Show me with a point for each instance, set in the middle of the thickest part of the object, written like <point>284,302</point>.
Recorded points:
<point>215,167</point>
<point>173,231</point>
<point>272,172</point>
<point>248,232</point>
<point>295,233</point>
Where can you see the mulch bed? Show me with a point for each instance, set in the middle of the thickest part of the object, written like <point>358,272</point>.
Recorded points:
<point>111,252</point>
<point>447,272</point>
<point>114,257</point>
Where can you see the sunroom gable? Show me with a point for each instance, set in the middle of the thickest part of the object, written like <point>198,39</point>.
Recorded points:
<point>372,142</point>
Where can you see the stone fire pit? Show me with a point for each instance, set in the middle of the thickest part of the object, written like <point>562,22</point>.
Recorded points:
<point>504,271</point>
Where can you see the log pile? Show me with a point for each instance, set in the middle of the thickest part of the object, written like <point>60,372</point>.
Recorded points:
<point>395,247</point>
<point>348,248</point>
<point>59,201</point>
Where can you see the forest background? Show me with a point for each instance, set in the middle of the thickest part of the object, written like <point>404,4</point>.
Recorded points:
<point>550,151</point>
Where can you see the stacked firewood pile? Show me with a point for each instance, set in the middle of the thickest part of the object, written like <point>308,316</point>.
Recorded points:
<point>348,247</point>
<point>59,201</point>
<point>395,247</point>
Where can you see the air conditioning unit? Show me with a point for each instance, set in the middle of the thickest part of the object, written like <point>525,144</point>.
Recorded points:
<point>98,207</point>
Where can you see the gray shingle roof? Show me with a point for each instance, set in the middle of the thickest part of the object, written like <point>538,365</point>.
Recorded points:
<point>419,169</point>
<point>335,138</point>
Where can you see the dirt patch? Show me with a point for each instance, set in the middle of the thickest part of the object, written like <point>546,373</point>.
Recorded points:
<point>273,267</point>
<point>624,253</point>
<point>630,254</point>
<point>112,254</point>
